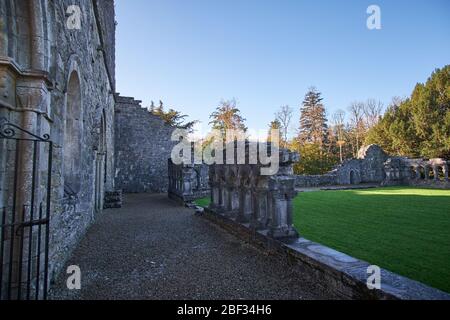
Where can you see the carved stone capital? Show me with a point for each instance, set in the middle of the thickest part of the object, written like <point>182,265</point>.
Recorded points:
<point>32,95</point>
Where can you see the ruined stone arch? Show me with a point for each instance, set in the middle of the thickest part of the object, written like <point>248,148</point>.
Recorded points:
<point>73,129</point>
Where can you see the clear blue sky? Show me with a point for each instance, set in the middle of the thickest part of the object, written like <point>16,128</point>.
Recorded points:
<point>193,53</point>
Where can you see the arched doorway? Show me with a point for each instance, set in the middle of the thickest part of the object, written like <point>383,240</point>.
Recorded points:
<point>72,136</point>
<point>352,177</point>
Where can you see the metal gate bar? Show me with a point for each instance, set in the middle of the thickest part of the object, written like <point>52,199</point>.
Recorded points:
<point>22,250</point>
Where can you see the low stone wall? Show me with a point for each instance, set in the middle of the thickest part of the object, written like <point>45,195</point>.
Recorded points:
<point>344,277</point>
<point>312,181</point>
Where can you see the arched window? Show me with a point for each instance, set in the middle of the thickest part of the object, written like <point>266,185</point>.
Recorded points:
<point>72,135</point>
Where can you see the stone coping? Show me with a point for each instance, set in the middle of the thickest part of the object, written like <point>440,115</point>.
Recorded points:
<point>340,274</point>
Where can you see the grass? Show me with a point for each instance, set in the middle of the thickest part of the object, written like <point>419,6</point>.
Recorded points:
<point>405,230</point>
<point>204,202</point>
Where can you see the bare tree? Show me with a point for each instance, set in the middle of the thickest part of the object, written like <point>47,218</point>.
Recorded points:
<point>372,112</point>
<point>339,125</point>
<point>357,124</point>
<point>284,117</point>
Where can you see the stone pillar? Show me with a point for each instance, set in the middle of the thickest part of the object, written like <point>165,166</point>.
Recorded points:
<point>436,172</point>
<point>245,204</point>
<point>282,191</point>
<point>445,168</point>
<point>187,172</point>
<point>427,172</point>
<point>221,202</point>
<point>214,188</point>
<point>260,209</point>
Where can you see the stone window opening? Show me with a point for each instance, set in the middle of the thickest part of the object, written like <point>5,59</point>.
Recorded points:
<point>422,173</point>
<point>441,173</point>
<point>72,136</point>
<point>430,175</point>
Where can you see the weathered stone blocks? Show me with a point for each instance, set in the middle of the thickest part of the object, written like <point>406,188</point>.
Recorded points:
<point>241,193</point>
<point>187,182</point>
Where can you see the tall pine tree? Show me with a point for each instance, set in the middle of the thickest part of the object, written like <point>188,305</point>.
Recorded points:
<point>313,120</point>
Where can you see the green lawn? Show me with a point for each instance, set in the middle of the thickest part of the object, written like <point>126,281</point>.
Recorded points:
<point>405,230</point>
<point>204,202</point>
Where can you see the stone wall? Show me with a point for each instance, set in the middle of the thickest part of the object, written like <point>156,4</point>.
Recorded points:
<point>58,81</point>
<point>374,166</point>
<point>143,145</point>
<point>105,11</point>
<point>367,168</point>
<point>314,181</point>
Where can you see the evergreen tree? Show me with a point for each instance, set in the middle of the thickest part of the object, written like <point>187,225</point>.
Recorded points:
<point>313,120</point>
<point>171,117</point>
<point>420,125</point>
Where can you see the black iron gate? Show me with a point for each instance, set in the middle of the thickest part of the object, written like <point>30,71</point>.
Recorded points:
<point>25,191</point>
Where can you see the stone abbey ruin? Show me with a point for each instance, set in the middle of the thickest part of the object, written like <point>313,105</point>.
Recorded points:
<point>373,165</point>
<point>70,145</point>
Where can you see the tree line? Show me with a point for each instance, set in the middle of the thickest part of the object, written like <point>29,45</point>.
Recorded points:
<point>418,126</point>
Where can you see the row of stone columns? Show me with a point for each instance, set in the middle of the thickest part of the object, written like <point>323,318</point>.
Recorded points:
<point>434,168</point>
<point>240,192</point>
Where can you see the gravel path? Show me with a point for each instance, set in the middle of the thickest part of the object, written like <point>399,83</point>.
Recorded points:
<point>154,249</point>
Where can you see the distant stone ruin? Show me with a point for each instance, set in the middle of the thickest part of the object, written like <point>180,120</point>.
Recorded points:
<point>374,166</point>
